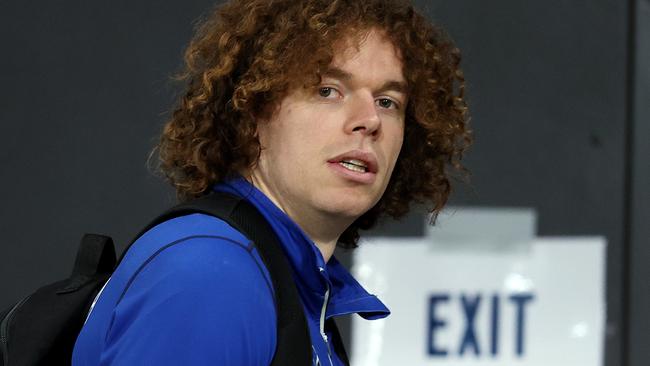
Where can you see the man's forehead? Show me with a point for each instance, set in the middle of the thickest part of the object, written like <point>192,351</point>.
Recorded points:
<point>371,49</point>
<point>349,45</point>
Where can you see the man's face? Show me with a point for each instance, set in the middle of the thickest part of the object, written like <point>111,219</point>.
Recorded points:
<point>330,150</point>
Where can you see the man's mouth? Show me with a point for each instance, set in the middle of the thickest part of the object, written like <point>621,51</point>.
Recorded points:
<point>354,165</point>
<point>361,165</point>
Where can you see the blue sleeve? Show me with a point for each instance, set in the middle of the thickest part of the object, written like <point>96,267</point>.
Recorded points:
<point>202,301</point>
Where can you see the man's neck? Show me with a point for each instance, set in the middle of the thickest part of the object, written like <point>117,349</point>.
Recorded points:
<point>324,230</point>
<point>326,249</point>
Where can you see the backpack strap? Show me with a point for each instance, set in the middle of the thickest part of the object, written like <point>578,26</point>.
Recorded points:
<point>337,341</point>
<point>293,340</point>
<point>96,255</point>
<point>95,259</point>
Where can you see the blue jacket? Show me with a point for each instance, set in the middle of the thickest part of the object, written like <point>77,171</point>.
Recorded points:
<point>193,290</point>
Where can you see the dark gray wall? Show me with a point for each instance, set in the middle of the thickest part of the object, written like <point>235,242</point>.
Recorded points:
<point>85,89</point>
<point>547,87</point>
<point>639,270</point>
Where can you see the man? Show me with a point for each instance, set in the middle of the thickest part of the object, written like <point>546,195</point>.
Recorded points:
<point>326,116</point>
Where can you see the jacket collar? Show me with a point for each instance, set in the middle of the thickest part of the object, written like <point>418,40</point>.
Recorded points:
<point>311,273</point>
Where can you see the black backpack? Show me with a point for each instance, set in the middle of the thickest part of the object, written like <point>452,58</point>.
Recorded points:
<point>42,328</point>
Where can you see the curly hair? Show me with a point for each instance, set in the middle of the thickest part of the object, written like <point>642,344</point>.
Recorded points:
<point>248,54</point>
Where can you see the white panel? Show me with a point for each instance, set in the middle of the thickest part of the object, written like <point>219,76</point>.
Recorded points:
<point>563,317</point>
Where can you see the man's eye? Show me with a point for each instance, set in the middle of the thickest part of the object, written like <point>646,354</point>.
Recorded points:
<point>386,103</point>
<point>326,91</point>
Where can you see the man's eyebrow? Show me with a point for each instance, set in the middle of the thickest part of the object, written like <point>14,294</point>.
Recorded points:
<point>398,86</point>
<point>336,73</point>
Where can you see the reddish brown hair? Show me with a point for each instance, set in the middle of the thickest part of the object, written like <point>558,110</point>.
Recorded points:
<point>248,54</point>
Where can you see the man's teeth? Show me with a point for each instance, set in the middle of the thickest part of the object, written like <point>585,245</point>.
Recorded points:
<point>354,165</point>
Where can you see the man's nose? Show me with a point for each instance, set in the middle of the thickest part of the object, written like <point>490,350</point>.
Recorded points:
<point>363,116</point>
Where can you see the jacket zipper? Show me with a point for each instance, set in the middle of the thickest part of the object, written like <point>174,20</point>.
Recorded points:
<point>4,329</point>
<point>322,320</point>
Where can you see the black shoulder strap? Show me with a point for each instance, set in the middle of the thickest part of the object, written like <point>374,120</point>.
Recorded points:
<point>337,341</point>
<point>96,255</point>
<point>293,340</point>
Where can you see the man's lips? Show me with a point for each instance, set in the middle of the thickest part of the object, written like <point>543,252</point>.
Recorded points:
<point>358,157</point>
